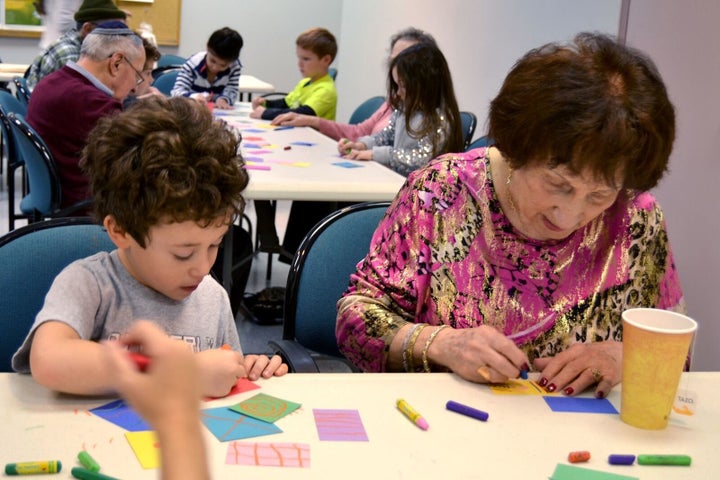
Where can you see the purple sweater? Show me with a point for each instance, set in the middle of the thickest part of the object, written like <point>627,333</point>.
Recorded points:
<point>63,109</point>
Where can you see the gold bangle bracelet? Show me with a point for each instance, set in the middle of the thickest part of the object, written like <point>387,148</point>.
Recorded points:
<point>426,365</point>
<point>408,352</point>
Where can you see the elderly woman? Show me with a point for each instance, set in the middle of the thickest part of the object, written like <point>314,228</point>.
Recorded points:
<point>527,252</point>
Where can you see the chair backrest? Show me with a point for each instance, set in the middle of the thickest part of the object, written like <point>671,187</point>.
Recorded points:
<point>366,109</point>
<point>168,60</point>
<point>483,141</point>
<point>31,257</point>
<point>166,81</point>
<point>9,104</point>
<point>44,183</point>
<point>333,73</point>
<point>320,272</point>
<point>22,92</point>
<point>469,121</point>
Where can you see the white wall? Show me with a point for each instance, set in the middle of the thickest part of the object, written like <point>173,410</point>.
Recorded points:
<point>682,38</point>
<point>481,40</point>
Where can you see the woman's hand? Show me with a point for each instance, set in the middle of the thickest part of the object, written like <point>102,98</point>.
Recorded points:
<point>296,120</point>
<point>480,354</point>
<point>261,365</point>
<point>581,366</point>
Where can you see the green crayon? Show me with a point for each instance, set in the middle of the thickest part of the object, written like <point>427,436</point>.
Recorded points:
<point>88,462</point>
<point>679,460</point>
<point>33,468</point>
<point>84,474</point>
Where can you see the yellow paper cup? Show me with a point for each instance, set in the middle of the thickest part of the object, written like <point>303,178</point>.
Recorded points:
<point>655,347</point>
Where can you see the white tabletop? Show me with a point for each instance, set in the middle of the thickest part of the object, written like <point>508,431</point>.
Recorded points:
<point>523,438</point>
<point>250,84</point>
<point>306,172</point>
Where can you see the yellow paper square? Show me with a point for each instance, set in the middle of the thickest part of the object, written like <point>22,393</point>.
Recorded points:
<point>519,387</point>
<point>146,448</point>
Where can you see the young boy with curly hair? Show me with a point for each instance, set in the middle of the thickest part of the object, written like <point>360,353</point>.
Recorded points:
<point>167,183</point>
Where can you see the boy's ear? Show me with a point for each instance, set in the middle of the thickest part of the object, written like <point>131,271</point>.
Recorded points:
<point>117,234</point>
<point>326,60</point>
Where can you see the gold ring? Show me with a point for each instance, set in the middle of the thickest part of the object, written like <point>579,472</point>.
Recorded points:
<point>596,374</point>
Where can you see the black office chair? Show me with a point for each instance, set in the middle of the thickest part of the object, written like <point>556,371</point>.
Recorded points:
<point>22,92</point>
<point>31,257</point>
<point>366,109</point>
<point>166,81</point>
<point>318,276</point>
<point>10,104</point>
<point>44,192</point>
<point>469,121</point>
<point>483,141</point>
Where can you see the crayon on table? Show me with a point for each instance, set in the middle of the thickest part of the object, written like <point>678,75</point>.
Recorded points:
<point>620,459</point>
<point>579,456</point>
<point>33,468</point>
<point>677,460</point>
<point>465,410</point>
<point>410,413</point>
<point>85,474</point>
<point>88,462</point>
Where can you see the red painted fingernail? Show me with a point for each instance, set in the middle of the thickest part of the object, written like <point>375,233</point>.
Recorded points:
<point>599,394</point>
<point>525,367</point>
<point>543,382</point>
<point>551,387</point>
<point>569,391</point>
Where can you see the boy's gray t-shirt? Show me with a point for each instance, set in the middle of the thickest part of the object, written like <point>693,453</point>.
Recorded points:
<point>100,300</point>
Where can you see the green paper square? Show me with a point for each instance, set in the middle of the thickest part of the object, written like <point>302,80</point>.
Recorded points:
<point>265,407</point>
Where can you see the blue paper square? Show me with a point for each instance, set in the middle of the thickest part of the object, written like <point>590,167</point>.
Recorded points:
<point>120,413</point>
<point>580,405</point>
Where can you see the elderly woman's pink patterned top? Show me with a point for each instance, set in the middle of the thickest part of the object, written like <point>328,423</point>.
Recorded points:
<point>446,254</point>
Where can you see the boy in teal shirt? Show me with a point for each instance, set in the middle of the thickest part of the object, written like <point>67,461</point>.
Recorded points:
<point>315,94</point>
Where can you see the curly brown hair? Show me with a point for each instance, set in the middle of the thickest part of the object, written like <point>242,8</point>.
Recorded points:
<point>164,159</point>
<point>591,105</point>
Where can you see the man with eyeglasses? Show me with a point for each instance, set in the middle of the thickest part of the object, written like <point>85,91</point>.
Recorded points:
<point>66,105</point>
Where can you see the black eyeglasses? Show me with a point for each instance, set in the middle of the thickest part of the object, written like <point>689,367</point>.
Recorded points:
<point>140,78</point>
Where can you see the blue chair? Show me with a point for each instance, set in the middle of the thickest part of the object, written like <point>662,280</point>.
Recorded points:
<point>366,109</point>
<point>9,104</point>
<point>166,81</point>
<point>169,60</point>
<point>469,121</point>
<point>22,92</point>
<point>44,192</point>
<point>31,257</point>
<point>333,73</point>
<point>483,141</point>
<point>318,276</point>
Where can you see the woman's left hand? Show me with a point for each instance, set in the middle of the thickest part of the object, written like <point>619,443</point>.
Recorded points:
<point>581,366</point>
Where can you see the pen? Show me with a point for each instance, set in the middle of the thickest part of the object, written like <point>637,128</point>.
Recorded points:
<point>33,468</point>
<point>84,474</point>
<point>410,413</point>
<point>467,411</point>
<point>142,361</point>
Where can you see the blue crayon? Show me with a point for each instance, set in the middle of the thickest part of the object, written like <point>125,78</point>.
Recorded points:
<point>468,411</point>
<point>619,459</point>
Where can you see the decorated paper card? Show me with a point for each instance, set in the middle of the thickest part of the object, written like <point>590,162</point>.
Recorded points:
<point>269,454</point>
<point>265,407</point>
<point>242,385</point>
<point>120,413</point>
<point>518,386</point>
<point>339,425</point>
<point>580,405</point>
<point>228,424</point>
<point>146,448</point>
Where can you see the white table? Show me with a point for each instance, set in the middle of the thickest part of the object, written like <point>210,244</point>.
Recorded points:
<point>523,438</point>
<point>320,179</point>
<point>10,70</point>
<point>249,85</point>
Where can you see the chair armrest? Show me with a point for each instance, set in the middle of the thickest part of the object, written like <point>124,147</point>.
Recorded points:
<point>295,355</point>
